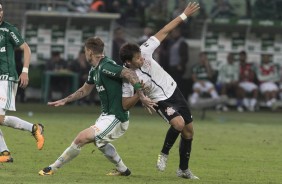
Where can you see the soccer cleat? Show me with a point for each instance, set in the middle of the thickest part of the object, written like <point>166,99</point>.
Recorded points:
<point>115,172</point>
<point>37,132</point>
<point>161,162</point>
<point>47,171</point>
<point>5,156</point>
<point>186,174</point>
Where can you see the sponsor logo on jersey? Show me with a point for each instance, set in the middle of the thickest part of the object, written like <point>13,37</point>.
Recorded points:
<point>3,49</point>
<point>4,29</point>
<point>15,37</point>
<point>100,88</point>
<point>145,44</point>
<point>108,72</point>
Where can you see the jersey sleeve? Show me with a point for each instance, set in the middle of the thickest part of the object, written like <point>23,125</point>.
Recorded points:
<point>90,79</point>
<point>127,89</point>
<point>111,70</point>
<point>148,47</point>
<point>16,37</point>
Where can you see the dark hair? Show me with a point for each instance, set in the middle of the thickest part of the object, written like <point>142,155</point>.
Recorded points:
<point>127,51</point>
<point>243,53</point>
<point>95,44</point>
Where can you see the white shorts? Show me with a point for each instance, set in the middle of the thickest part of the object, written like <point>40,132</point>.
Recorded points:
<point>108,128</point>
<point>248,86</point>
<point>268,87</point>
<point>206,88</point>
<point>8,91</point>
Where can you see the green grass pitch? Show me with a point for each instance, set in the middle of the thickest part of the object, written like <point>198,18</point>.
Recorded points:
<point>227,148</point>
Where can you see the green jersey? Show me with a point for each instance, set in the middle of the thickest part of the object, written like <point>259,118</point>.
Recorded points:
<point>10,38</point>
<point>106,77</point>
<point>200,72</point>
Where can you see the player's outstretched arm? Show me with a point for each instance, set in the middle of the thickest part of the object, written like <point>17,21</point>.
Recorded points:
<point>80,93</point>
<point>189,11</point>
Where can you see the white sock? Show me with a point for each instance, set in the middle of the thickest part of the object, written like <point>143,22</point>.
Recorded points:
<point>253,102</point>
<point>111,154</point>
<point>246,102</point>
<point>214,94</point>
<point>3,145</point>
<point>14,122</point>
<point>69,154</point>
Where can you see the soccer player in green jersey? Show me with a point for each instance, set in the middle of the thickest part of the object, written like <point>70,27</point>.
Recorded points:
<point>10,38</point>
<point>108,78</point>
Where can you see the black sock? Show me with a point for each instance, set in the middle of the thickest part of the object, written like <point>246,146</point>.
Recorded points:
<point>170,139</point>
<point>184,152</point>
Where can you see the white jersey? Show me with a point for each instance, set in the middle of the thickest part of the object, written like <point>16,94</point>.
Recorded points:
<point>159,85</point>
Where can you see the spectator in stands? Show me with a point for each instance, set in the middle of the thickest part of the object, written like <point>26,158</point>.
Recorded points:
<point>148,31</point>
<point>56,63</point>
<point>202,74</point>
<point>118,41</point>
<point>59,65</point>
<point>222,9</point>
<point>82,6</point>
<point>98,6</point>
<point>264,9</point>
<point>248,90</point>
<point>227,80</point>
<point>81,67</point>
<point>178,58</point>
<point>268,76</point>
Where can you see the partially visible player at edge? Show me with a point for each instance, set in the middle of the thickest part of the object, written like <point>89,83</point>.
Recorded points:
<point>160,87</point>
<point>107,77</point>
<point>10,38</point>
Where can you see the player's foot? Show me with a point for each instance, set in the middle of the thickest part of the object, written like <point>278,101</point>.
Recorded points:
<point>115,172</point>
<point>46,171</point>
<point>37,132</point>
<point>5,156</point>
<point>186,174</point>
<point>161,162</point>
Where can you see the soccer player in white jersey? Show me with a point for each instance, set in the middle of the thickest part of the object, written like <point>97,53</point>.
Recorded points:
<point>10,39</point>
<point>160,87</point>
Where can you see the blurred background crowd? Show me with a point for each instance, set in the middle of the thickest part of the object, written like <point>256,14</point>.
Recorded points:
<point>250,84</point>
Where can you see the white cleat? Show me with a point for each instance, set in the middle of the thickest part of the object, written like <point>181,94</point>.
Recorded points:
<point>186,174</point>
<point>161,163</point>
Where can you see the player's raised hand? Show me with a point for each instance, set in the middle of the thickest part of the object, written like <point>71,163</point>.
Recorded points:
<point>191,8</point>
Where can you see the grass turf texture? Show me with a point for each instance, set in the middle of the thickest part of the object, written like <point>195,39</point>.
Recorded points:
<point>227,148</point>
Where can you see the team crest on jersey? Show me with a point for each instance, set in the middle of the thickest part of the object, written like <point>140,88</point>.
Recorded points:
<point>170,111</point>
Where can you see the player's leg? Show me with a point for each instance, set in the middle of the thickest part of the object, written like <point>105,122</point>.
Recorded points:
<point>185,148</point>
<point>35,129</point>
<point>8,93</point>
<point>5,155</point>
<point>84,137</point>
<point>112,155</point>
<point>176,127</point>
<point>109,129</point>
